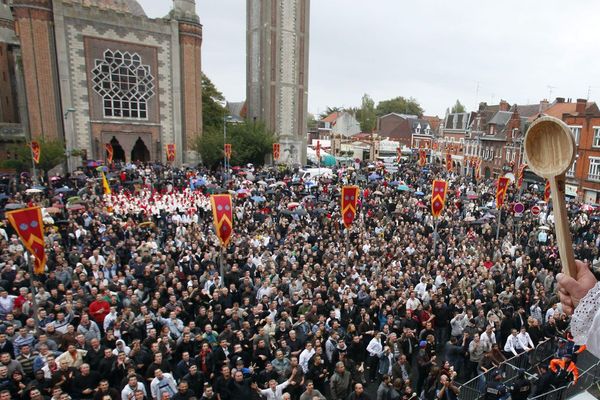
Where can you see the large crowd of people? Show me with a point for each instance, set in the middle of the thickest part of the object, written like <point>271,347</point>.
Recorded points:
<point>140,301</point>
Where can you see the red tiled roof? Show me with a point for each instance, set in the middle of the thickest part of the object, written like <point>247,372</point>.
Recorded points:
<point>434,121</point>
<point>331,117</point>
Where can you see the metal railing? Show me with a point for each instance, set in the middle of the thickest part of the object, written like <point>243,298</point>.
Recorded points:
<point>587,379</point>
<point>474,389</point>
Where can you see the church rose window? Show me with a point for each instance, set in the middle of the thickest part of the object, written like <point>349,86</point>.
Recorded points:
<point>124,83</point>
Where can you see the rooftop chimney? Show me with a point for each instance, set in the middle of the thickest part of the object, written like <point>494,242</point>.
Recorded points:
<point>560,100</point>
<point>544,104</point>
<point>504,106</point>
<point>580,106</point>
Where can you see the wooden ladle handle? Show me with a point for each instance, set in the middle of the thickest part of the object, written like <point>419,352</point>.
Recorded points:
<point>561,226</point>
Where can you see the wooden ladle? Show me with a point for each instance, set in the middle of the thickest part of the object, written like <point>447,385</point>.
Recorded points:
<point>550,150</point>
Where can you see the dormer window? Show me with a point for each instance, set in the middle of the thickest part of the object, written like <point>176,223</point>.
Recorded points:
<point>492,129</point>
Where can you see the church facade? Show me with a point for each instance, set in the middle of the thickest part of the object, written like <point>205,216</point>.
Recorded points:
<point>99,72</point>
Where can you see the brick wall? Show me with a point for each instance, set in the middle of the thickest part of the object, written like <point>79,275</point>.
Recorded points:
<point>8,106</point>
<point>34,26</point>
<point>190,47</point>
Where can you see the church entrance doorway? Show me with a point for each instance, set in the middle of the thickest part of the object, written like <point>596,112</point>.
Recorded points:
<point>118,152</point>
<point>140,152</point>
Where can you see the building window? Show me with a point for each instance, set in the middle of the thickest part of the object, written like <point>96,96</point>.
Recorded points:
<point>594,171</point>
<point>571,172</point>
<point>124,83</point>
<point>596,142</point>
<point>576,131</point>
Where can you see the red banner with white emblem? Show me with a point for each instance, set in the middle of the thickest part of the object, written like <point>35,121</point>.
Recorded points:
<point>36,151</point>
<point>349,202</point>
<point>547,191</point>
<point>438,197</point>
<point>170,152</point>
<point>228,150</point>
<point>276,151</point>
<point>477,168</point>
<point>449,162</point>
<point>29,226</point>
<point>501,189</point>
<point>521,175</point>
<point>222,209</point>
<point>422,158</point>
<point>318,150</point>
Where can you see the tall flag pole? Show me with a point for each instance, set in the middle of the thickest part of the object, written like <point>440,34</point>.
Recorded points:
<point>318,151</point>
<point>276,151</point>
<point>349,201</point>
<point>36,151</point>
<point>439,190</point>
<point>109,153</point>
<point>547,191</point>
<point>449,162</point>
<point>171,152</point>
<point>422,157</point>
<point>222,208</point>
<point>29,225</point>
<point>105,184</point>
<point>521,175</point>
<point>501,189</point>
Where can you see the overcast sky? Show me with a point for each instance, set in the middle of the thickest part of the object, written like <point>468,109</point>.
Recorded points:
<point>435,51</point>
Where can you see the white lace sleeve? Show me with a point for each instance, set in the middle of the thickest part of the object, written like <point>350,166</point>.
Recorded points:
<point>585,323</point>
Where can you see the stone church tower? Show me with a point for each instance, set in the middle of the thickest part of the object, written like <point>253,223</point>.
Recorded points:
<point>190,41</point>
<point>34,22</point>
<point>277,33</point>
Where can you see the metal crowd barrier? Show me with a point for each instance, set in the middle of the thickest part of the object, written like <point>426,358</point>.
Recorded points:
<point>587,379</point>
<point>474,389</point>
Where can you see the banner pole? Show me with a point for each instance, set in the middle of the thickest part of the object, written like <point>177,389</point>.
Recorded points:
<point>34,171</point>
<point>435,235</point>
<point>499,222</point>
<point>31,285</point>
<point>222,264</point>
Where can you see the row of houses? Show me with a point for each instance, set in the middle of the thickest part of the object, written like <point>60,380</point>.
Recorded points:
<point>493,134</point>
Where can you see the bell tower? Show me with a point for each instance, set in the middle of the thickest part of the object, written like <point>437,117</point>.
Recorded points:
<point>190,43</point>
<point>35,27</point>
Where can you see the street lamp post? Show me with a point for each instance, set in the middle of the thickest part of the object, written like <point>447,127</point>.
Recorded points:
<point>68,137</point>
<point>226,119</point>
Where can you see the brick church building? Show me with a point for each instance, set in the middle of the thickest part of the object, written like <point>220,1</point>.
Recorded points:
<point>92,72</point>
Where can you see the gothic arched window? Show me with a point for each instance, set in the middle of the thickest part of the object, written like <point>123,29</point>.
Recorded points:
<point>124,83</point>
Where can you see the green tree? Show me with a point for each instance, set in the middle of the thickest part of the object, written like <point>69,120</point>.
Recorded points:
<point>458,107</point>
<point>366,114</point>
<point>212,108</point>
<point>250,143</point>
<point>311,121</point>
<point>330,110</point>
<point>52,153</point>
<point>399,105</point>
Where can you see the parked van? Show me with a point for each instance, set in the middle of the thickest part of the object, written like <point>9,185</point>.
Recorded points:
<point>314,173</point>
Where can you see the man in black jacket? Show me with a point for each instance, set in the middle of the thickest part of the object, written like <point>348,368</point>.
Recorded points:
<point>183,392</point>
<point>521,387</point>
